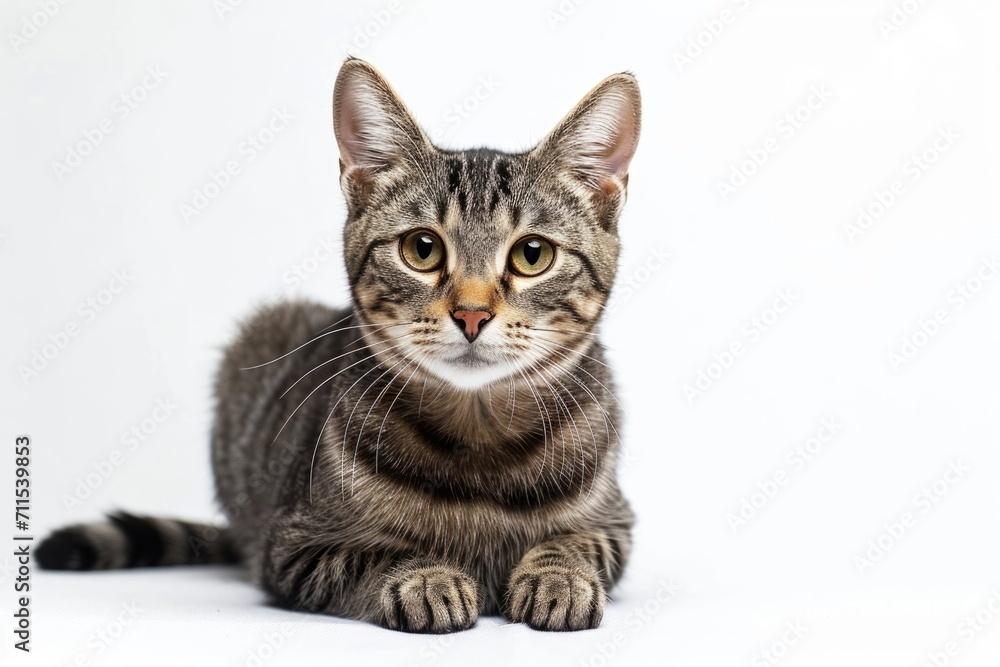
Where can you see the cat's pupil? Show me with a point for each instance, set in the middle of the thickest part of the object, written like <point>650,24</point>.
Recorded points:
<point>532,251</point>
<point>425,245</point>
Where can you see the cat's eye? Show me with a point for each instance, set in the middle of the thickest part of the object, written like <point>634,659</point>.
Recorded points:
<point>422,250</point>
<point>531,256</point>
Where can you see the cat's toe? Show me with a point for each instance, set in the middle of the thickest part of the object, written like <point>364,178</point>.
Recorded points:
<point>431,599</point>
<point>556,598</point>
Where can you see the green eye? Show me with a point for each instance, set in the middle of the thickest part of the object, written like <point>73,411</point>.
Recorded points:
<point>531,256</point>
<point>422,250</point>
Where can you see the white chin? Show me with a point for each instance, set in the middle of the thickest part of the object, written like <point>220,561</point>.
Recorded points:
<point>469,376</point>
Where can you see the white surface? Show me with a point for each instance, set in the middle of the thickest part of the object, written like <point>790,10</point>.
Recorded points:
<point>688,465</point>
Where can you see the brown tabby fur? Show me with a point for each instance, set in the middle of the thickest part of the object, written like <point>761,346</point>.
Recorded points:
<point>410,477</point>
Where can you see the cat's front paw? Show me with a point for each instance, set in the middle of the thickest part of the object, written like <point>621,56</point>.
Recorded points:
<point>555,597</point>
<point>430,599</point>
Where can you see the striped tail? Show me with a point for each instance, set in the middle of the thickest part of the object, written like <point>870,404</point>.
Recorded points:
<point>127,540</point>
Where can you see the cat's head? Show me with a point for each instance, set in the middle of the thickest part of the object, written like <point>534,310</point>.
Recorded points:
<point>479,265</point>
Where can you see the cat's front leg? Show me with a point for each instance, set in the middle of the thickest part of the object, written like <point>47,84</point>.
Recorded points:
<point>561,583</point>
<point>397,591</point>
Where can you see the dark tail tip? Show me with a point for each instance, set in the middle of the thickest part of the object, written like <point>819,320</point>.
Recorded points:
<point>66,549</point>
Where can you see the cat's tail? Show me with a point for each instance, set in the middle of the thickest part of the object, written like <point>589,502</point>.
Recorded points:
<point>127,540</point>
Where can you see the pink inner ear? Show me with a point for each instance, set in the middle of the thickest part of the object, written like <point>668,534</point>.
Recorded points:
<point>351,130</point>
<point>599,138</point>
<point>347,131</point>
<point>619,153</point>
<point>367,119</point>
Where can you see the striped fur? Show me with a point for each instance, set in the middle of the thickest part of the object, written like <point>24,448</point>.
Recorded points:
<point>376,464</point>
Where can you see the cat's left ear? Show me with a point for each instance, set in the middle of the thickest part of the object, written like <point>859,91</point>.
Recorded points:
<point>595,142</point>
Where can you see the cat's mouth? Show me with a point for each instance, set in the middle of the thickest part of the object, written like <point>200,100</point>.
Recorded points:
<point>473,368</point>
<point>472,359</point>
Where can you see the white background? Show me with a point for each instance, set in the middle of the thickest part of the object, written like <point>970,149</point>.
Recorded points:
<point>690,463</point>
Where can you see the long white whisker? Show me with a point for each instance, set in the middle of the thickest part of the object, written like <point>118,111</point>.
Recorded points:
<point>328,333</point>
<point>340,321</point>
<point>345,354</point>
<point>543,414</point>
<point>561,403</point>
<point>332,410</point>
<point>398,393</point>
<point>539,340</point>
<point>593,436</point>
<point>607,417</point>
<point>317,387</point>
<point>354,464</point>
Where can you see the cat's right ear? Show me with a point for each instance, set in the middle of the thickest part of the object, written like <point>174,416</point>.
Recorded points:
<point>373,127</point>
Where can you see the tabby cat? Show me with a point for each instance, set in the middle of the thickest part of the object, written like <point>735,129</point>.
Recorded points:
<point>446,447</point>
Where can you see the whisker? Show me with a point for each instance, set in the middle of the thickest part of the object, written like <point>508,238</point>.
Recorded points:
<point>607,417</point>
<point>571,349</point>
<point>513,396</point>
<point>349,352</point>
<point>354,464</point>
<point>561,403</point>
<point>309,342</point>
<point>317,387</point>
<point>567,357</point>
<point>593,436</point>
<point>545,419</point>
<point>572,331</point>
<point>323,430</point>
<point>378,398</point>
<point>340,321</point>
<point>378,439</point>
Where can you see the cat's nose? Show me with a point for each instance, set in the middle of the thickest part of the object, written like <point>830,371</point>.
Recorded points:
<point>471,321</point>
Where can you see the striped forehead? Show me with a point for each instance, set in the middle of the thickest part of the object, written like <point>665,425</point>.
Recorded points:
<point>480,212</point>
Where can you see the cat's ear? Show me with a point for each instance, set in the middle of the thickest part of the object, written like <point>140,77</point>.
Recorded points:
<point>372,125</point>
<point>596,141</point>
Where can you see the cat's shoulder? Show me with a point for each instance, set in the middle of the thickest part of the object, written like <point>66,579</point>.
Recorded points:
<point>278,327</point>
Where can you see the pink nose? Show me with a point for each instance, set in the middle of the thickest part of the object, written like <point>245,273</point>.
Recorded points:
<point>471,321</point>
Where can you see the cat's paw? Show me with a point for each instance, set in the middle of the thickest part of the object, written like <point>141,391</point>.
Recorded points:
<point>555,597</point>
<point>430,599</point>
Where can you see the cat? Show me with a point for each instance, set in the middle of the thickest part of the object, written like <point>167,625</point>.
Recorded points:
<point>447,446</point>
